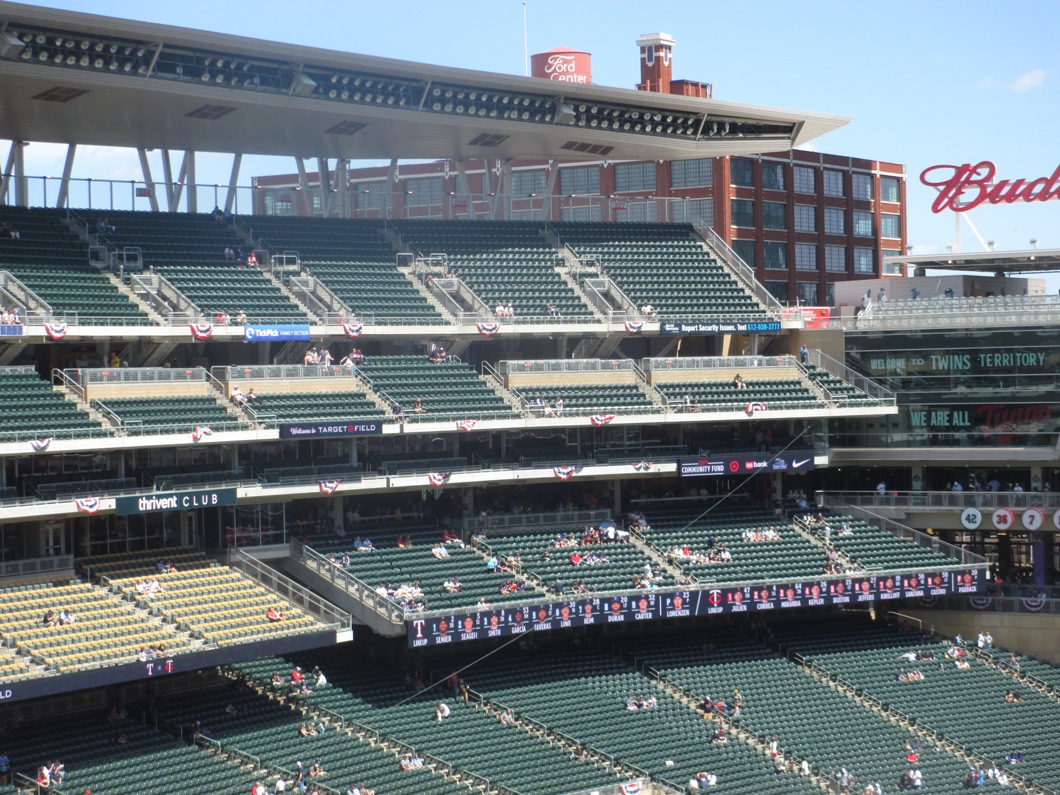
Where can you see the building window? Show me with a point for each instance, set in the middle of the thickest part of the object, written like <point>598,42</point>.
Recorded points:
<point>805,257</point>
<point>745,250</point>
<point>890,225</point>
<point>864,260</point>
<point>774,215</point>
<point>804,180</point>
<point>893,268</point>
<point>742,173</point>
<point>830,297</point>
<point>590,213</point>
<point>775,255</point>
<point>834,221</point>
<point>280,202</point>
<point>370,195</point>
<point>694,210</point>
<point>778,290</point>
<point>743,212</point>
<point>807,293</point>
<point>424,191</point>
<point>526,182</point>
<point>640,212</point>
<point>635,176</point>
<point>861,187</point>
<point>833,183</point>
<point>581,180</point>
<point>889,189</point>
<point>862,223</point>
<point>835,259</point>
<point>773,176</point>
<point>692,173</point>
<point>805,218</point>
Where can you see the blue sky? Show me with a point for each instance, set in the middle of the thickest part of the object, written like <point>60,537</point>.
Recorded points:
<point>925,82</point>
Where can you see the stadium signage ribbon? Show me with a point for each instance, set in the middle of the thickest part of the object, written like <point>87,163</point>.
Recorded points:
<point>174,501</point>
<point>716,326</point>
<point>745,465</point>
<point>271,333</point>
<point>964,187</point>
<point>301,430</point>
<point>439,630</point>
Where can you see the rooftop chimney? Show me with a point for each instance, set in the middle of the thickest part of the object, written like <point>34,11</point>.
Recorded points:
<point>656,66</point>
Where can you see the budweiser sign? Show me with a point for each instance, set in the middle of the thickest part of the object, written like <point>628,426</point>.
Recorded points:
<point>963,188</point>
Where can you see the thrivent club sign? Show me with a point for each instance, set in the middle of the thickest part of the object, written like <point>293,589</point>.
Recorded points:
<point>965,187</point>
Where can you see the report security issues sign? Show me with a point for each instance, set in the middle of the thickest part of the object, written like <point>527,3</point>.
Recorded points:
<point>717,326</point>
<point>174,501</point>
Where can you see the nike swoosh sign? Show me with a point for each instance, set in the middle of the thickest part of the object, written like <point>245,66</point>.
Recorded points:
<point>797,464</point>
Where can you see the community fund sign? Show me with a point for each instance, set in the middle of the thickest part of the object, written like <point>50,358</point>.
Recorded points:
<point>965,187</point>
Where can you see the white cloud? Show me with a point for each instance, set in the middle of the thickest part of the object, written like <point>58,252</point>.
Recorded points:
<point>1029,80</point>
<point>987,83</point>
<point>809,146</point>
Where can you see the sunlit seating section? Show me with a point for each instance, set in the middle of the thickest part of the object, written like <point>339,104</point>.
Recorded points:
<point>451,390</point>
<point>43,238</point>
<point>606,567</point>
<point>664,265</point>
<point>719,392</point>
<point>316,406</point>
<point>189,251</point>
<point>468,738</point>
<point>502,262</point>
<point>874,549</point>
<point>586,398</point>
<point>106,630</point>
<point>31,408</point>
<point>172,414</point>
<point>965,706</point>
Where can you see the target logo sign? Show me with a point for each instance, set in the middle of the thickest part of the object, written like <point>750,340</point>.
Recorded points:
<point>1003,519</point>
<point>734,466</point>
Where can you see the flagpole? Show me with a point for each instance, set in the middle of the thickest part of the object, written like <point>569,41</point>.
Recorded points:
<point>526,49</point>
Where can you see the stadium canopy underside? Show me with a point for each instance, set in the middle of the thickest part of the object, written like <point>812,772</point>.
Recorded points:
<point>74,78</point>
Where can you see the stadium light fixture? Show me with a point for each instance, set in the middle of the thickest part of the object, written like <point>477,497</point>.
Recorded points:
<point>11,46</point>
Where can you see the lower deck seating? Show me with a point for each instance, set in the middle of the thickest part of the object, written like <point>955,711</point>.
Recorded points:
<point>178,414</point>
<point>31,408</point>
<point>719,395</point>
<point>588,398</point>
<point>316,406</point>
<point>451,390</point>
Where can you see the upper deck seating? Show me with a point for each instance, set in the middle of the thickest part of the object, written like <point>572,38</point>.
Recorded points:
<point>664,265</point>
<point>502,262</point>
<point>450,390</point>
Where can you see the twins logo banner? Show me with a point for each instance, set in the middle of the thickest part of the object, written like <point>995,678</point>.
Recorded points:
<point>201,331</point>
<point>329,486</point>
<point>439,478</point>
<point>352,329</point>
<point>56,331</point>
<point>488,329</point>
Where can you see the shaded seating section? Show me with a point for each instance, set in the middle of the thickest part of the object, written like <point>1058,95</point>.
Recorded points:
<point>106,630</point>
<point>468,738</point>
<point>74,288</point>
<point>448,391</point>
<point>843,393</point>
<point>581,693</point>
<point>316,406</point>
<point>30,407</point>
<point>620,564</point>
<point>965,706</point>
<point>269,731</point>
<point>501,261</point>
<point>394,566</point>
<point>790,556</point>
<point>173,414</point>
<point>43,238</point>
<point>588,398</point>
<point>213,602</point>
<point>721,394</point>
<point>147,762</point>
<point>57,487</point>
<point>873,548</point>
<point>809,719</point>
<point>664,265</point>
<point>188,250</point>
<point>374,290</point>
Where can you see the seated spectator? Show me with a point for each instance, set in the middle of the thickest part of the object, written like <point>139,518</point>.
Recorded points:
<point>648,310</point>
<point>274,615</point>
<point>306,730</point>
<point>507,718</point>
<point>250,397</point>
<point>230,254</point>
<point>439,551</point>
<point>738,382</point>
<point>236,395</point>
<point>316,770</point>
<point>104,226</point>
<point>252,260</point>
<point>441,711</point>
<point>551,309</point>
<point>417,406</point>
<point>67,617</point>
<point>50,619</point>
<point>452,585</point>
<point>241,318</point>
<point>217,214</point>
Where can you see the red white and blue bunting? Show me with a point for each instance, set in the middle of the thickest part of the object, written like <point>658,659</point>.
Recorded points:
<point>201,431</point>
<point>201,331</point>
<point>929,601</point>
<point>634,326</point>
<point>352,329</point>
<point>1033,604</point>
<point>40,445</point>
<point>600,420</point>
<point>488,329</point>
<point>630,788</point>
<point>87,504</point>
<point>439,478</point>
<point>980,602</point>
<point>56,331</point>
<point>754,407</point>
<point>642,466</point>
<point>466,425</point>
<point>329,486</point>
<point>565,472</point>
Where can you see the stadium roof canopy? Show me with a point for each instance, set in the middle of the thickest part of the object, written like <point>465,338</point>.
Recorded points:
<point>69,77</point>
<point>1000,262</point>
